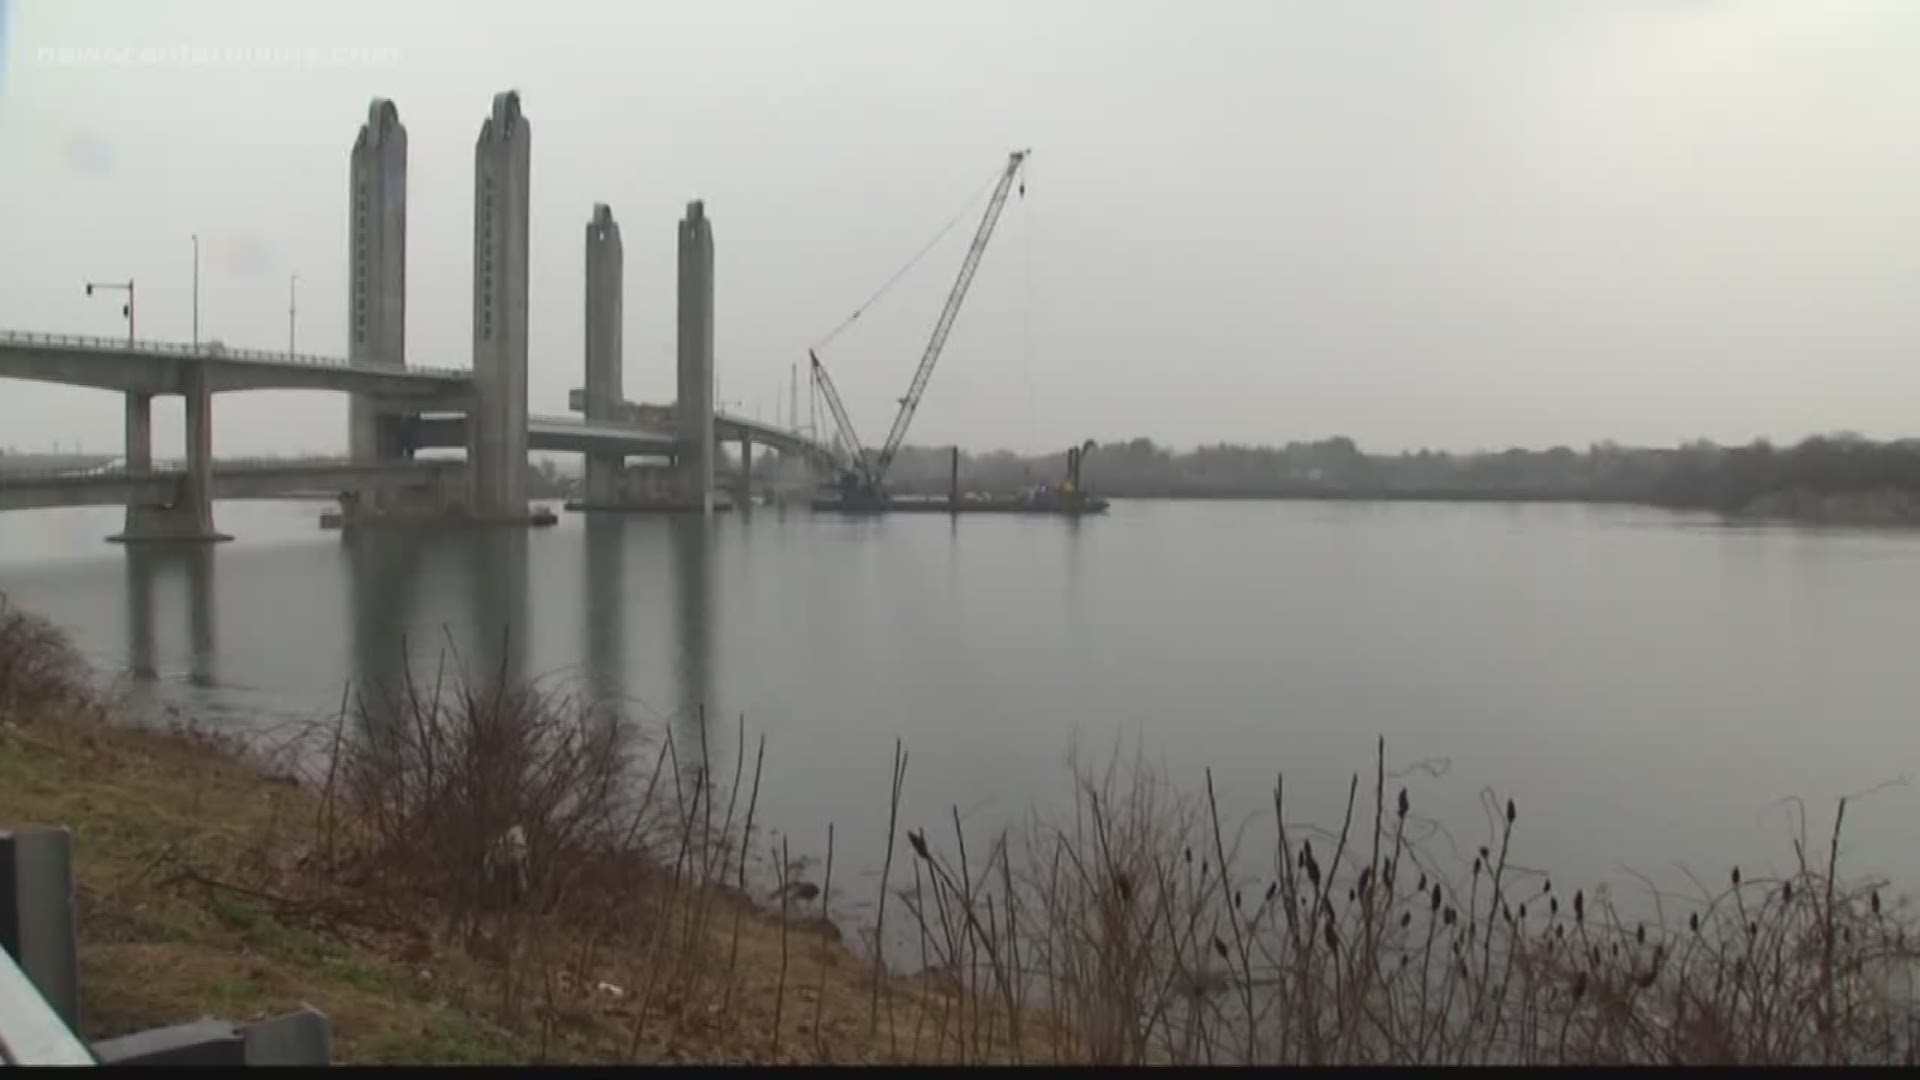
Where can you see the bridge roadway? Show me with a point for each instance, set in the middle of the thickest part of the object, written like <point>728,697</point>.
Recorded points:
<point>159,367</point>
<point>231,480</point>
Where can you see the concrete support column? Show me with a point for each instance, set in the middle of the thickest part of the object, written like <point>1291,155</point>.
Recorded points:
<point>744,500</point>
<point>139,452</point>
<point>694,404</point>
<point>377,266</point>
<point>497,446</point>
<point>604,390</point>
<point>189,517</point>
<point>197,490</point>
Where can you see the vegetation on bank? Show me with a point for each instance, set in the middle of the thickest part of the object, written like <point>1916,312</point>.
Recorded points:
<point>1840,478</point>
<point>507,873</point>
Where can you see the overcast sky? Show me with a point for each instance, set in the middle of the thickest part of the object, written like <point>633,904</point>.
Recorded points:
<point>1463,224</point>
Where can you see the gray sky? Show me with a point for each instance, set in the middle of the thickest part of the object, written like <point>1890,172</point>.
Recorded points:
<point>1463,224</point>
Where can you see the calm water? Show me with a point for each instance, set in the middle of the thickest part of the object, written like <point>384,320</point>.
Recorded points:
<point>1646,686</point>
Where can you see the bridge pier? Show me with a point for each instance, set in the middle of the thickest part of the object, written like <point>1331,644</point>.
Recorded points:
<point>604,394</point>
<point>189,517</point>
<point>139,451</point>
<point>497,428</point>
<point>377,245</point>
<point>693,406</point>
<point>743,498</point>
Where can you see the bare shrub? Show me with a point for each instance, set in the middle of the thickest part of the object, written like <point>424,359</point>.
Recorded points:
<point>41,674</point>
<point>1127,932</point>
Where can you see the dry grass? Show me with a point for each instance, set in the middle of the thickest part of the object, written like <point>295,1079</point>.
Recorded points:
<point>1130,923</point>
<point>377,885</point>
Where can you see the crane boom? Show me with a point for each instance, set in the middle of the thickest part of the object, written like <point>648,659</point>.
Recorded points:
<point>861,469</point>
<point>877,470</point>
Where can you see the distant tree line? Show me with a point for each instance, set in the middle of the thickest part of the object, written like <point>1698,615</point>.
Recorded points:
<point>1698,475</point>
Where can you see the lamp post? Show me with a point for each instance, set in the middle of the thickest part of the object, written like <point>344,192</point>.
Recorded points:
<point>292,283</point>
<point>126,308</point>
<point>196,292</point>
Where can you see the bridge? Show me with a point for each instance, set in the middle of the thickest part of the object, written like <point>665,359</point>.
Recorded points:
<point>161,367</point>
<point>398,408</point>
<point>265,479</point>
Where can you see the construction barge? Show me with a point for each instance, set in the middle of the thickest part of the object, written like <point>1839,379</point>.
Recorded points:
<point>1066,497</point>
<point>1025,503</point>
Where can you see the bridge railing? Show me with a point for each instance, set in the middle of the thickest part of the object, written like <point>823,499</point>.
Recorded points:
<point>228,467</point>
<point>210,350</point>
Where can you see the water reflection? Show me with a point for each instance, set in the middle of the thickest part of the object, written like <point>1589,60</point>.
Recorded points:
<point>497,575</point>
<point>690,538</point>
<point>383,572</point>
<point>605,588</point>
<point>147,566</point>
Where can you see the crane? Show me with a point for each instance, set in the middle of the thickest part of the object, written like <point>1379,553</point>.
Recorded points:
<point>862,478</point>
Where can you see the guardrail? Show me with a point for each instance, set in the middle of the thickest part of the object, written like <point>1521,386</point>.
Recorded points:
<point>39,975</point>
<point>230,467</point>
<point>212,350</point>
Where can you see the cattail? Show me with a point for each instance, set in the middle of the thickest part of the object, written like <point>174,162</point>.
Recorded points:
<point>1476,868</point>
<point>1271,889</point>
<point>1579,906</point>
<point>919,842</point>
<point>1523,913</point>
<point>1422,886</point>
<point>1510,811</point>
<point>1313,873</point>
<point>1366,879</point>
<point>1220,947</point>
<point>1484,853</point>
<point>1403,802</point>
<point>1553,906</point>
<point>1640,934</point>
<point>1753,929</point>
<point>1406,918</point>
<point>1436,896</point>
<point>1352,896</point>
<point>1124,887</point>
<point>1547,888</point>
<point>1451,916</point>
<point>1693,922</point>
<point>1188,855</point>
<point>1579,986</point>
<point>1786,892</point>
<point>1237,905</point>
<point>1560,931</point>
<point>1736,877</point>
<point>1874,901</point>
<point>1333,939</point>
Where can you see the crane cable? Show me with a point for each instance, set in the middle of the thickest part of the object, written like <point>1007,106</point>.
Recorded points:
<point>911,263</point>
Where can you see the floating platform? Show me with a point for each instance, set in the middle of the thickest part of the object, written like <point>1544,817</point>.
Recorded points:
<point>989,505</point>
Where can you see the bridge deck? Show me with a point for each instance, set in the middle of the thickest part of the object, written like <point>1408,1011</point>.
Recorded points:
<point>156,367</point>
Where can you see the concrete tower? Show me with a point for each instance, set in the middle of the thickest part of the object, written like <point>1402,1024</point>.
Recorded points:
<point>604,391</point>
<point>377,269</point>
<point>694,404</point>
<point>497,447</point>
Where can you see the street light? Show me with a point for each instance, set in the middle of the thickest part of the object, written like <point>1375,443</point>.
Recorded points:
<point>196,292</point>
<point>126,308</point>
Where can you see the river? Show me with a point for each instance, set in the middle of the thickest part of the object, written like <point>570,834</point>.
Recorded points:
<point>1646,686</point>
